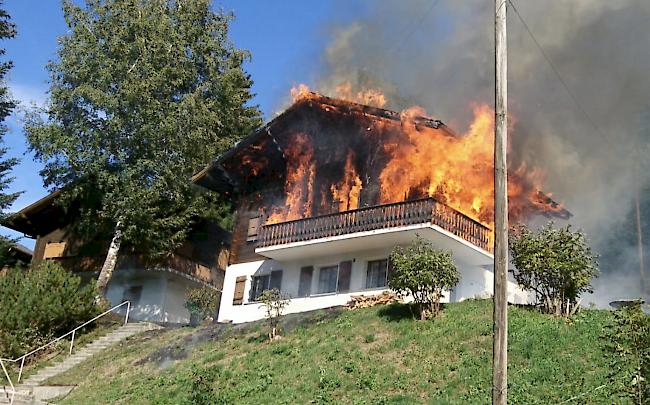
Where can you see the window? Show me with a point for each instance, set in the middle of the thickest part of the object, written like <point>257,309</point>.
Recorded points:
<point>265,282</point>
<point>335,278</point>
<point>377,274</point>
<point>253,226</point>
<point>327,279</point>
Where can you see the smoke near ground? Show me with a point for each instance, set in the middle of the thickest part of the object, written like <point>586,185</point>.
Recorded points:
<point>439,55</point>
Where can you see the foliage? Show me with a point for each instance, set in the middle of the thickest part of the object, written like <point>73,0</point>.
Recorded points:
<point>39,304</point>
<point>202,302</point>
<point>423,272</point>
<point>7,105</point>
<point>274,302</point>
<point>556,264</point>
<point>409,362</point>
<point>629,341</point>
<point>143,94</point>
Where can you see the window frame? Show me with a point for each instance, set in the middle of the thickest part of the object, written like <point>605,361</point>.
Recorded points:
<point>336,282</point>
<point>254,295</point>
<point>386,271</point>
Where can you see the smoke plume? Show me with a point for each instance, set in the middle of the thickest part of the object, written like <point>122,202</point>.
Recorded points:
<point>439,55</point>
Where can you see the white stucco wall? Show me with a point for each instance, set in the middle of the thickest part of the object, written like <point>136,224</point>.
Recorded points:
<point>162,298</point>
<point>475,282</point>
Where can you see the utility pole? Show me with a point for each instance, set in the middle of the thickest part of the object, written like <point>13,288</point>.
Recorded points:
<point>639,238</point>
<point>500,315</point>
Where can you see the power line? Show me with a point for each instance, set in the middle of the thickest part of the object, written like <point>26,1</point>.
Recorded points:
<point>557,73</point>
<point>416,26</point>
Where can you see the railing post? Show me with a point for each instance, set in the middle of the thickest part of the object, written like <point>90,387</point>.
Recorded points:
<point>20,371</point>
<point>72,342</point>
<point>13,390</point>
<point>128,309</point>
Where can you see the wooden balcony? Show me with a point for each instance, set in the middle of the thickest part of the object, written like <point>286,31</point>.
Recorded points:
<point>394,215</point>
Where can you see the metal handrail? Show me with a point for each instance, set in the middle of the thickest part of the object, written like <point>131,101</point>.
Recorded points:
<point>73,332</point>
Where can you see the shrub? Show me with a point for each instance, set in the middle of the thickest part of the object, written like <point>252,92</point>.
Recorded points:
<point>274,301</point>
<point>423,272</point>
<point>629,340</point>
<point>39,304</point>
<point>556,264</point>
<point>202,302</point>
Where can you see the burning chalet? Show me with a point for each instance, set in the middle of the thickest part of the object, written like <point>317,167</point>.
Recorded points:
<point>329,187</point>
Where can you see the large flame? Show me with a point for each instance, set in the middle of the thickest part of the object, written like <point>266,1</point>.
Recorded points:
<point>299,183</point>
<point>422,161</point>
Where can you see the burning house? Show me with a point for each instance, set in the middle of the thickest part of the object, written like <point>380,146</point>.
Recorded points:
<point>329,187</point>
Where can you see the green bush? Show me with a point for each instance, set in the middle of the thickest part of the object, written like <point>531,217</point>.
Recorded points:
<point>629,341</point>
<point>556,264</point>
<point>423,272</point>
<point>202,302</point>
<point>40,304</point>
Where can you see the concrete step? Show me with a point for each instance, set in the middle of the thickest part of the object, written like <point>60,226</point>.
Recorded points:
<point>85,352</point>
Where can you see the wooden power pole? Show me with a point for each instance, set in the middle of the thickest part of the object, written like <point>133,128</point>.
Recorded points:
<point>500,316</point>
<point>639,239</point>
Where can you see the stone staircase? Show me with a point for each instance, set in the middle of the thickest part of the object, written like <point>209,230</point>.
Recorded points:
<point>26,391</point>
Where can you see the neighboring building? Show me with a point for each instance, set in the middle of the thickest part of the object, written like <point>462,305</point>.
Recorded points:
<point>17,256</point>
<point>311,219</point>
<point>157,292</point>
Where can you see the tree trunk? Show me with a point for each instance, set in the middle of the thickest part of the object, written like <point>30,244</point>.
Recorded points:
<point>110,261</point>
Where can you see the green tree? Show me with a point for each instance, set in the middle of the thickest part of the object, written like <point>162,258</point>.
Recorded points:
<point>274,302</point>
<point>144,93</point>
<point>424,273</point>
<point>557,264</point>
<point>7,105</point>
<point>40,303</point>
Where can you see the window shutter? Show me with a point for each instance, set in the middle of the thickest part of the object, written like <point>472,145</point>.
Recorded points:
<point>54,249</point>
<point>306,274</point>
<point>253,226</point>
<point>345,273</point>
<point>276,280</point>
<point>240,284</point>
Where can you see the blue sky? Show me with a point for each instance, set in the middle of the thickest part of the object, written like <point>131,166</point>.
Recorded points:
<point>286,39</point>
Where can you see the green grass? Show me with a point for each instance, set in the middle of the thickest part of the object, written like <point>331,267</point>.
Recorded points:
<point>371,356</point>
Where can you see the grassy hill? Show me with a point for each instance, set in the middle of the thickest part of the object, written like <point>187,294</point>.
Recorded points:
<point>370,356</point>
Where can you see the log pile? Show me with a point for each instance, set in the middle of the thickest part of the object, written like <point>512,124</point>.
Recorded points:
<point>367,301</point>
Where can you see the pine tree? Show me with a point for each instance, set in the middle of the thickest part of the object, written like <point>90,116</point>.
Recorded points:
<point>144,93</point>
<point>7,104</point>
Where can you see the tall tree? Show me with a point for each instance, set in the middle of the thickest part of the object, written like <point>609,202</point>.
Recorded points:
<point>143,94</point>
<point>7,104</point>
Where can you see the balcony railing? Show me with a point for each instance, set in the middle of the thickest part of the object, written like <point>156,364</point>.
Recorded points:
<point>385,216</point>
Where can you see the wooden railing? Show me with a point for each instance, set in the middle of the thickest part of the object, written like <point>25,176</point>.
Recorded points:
<point>385,216</point>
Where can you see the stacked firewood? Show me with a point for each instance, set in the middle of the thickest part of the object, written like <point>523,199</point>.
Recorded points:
<point>367,301</point>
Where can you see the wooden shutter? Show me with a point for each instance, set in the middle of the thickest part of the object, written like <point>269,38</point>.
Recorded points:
<point>253,226</point>
<point>276,280</point>
<point>240,285</point>
<point>345,273</point>
<point>304,288</point>
<point>54,249</point>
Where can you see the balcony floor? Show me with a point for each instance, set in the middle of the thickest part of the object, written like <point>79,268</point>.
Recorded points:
<point>385,238</point>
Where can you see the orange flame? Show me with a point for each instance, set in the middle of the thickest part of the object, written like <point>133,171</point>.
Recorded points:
<point>422,161</point>
<point>348,190</point>
<point>299,183</point>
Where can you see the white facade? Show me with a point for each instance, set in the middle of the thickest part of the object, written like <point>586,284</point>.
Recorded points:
<point>155,295</point>
<point>473,264</point>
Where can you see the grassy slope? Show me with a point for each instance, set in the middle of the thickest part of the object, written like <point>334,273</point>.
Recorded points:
<point>376,355</point>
